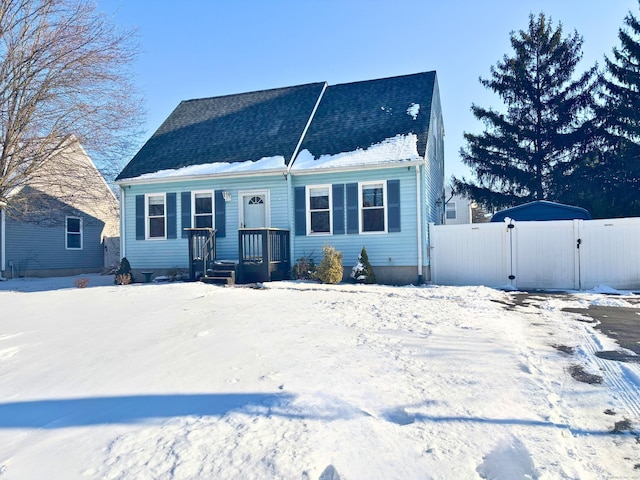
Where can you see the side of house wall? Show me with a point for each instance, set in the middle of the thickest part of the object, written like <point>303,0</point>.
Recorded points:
<point>394,254</point>
<point>164,254</point>
<point>34,250</point>
<point>433,174</point>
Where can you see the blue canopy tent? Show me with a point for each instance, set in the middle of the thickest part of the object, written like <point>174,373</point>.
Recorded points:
<point>542,210</point>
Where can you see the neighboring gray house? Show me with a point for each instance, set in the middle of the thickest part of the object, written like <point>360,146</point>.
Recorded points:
<point>457,209</point>
<point>279,173</point>
<point>60,225</point>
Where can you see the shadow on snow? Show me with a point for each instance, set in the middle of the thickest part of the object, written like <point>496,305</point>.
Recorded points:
<point>74,412</point>
<point>78,412</point>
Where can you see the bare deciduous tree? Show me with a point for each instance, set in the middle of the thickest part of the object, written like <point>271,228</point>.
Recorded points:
<point>64,77</point>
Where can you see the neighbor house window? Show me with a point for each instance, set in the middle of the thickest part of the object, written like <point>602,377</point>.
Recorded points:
<point>74,233</point>
<point>373,207</point>
<point>319,209</point>
<point>451,212</point>
<point>156,216</point>
<point>203,209</point>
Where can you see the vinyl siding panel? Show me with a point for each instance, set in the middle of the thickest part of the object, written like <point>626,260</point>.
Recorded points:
<point>390,249</point>
<point>173,253</point>
<point>30,246</point>
<point>433,174</point>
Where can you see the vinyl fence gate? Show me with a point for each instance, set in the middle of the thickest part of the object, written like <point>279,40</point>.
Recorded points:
<point>563,255</point>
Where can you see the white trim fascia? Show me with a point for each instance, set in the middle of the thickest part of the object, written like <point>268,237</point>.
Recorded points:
<point>359,168</point>
<point>304,132</point>
<point>3,251</point>
<point>189,178</point>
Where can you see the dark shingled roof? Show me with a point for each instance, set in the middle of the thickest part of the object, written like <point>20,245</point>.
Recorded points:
<point>358,115</point>
<point>268,123</point>
<point>232,128</point>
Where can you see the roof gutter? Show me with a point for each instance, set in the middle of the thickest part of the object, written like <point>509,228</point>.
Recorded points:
<point>306,127</point>
<point>189,178</point>
<point>352,168</point>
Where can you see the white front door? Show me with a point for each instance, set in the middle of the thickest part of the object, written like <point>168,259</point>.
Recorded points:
<point>254,210</point>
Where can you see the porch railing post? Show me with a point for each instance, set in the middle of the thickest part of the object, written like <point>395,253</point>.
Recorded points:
<point>266,253</point>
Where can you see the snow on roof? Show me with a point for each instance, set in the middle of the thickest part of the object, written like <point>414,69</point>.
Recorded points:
<point>413,110</point>
<point>265,163</point>
<point>397,149</point>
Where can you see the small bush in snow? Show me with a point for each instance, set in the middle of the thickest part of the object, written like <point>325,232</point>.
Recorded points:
<point>81,282</point>
<point>304,269</point>
<point>123,279</point>
<point>330,269</point>
<point>175,275</point>
<point>124,269</point>
<point>362,272</point>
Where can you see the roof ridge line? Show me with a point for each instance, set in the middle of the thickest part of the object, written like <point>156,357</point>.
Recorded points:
<point>251,92</point>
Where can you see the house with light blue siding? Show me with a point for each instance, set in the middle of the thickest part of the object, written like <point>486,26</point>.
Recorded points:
<point>60,222</point>
<point>260,179</point>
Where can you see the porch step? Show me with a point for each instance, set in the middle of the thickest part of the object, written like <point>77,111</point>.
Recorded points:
<point>224,273</point>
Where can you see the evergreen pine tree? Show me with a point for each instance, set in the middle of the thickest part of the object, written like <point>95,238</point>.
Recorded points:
<point>362,272</point>
<point>617,170</point>
<point>531,147</point>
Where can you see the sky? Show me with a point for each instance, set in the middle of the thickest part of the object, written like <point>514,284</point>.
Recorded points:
<point>206,48</point>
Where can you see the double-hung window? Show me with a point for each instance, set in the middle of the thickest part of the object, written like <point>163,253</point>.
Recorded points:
<point>202,209</point>
<point>156,221</point>
<point>73,233</point>
<point>373,207</point>
<point>451,211</point>
<point>319,209</point>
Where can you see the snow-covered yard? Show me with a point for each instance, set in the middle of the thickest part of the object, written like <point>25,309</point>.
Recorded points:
<point>303,381</point>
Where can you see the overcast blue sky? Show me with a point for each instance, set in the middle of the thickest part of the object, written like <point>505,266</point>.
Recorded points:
<point>204,48</point>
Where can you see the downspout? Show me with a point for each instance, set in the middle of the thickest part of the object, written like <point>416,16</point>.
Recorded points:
<point>419,222</point>
<point>123,252</point>
<point>288,174</point>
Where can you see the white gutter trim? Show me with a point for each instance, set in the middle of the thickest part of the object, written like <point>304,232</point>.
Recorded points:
<point>3,251</point>
<point>189,178</point>
<point>375,166</point>
<point>123,213</point>
<point>419,220</point>
<point>306,127</point>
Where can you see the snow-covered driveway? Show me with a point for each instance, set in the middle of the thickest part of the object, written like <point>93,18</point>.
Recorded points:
<point>186,381</point>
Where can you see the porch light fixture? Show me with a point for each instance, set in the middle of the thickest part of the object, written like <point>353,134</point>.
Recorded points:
<point>227,196</point>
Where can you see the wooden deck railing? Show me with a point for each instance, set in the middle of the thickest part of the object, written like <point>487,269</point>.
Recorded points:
<point>263,254</point>
<point>202,251</point>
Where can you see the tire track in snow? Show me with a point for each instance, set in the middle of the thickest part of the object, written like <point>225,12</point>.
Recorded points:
<point>623,378</point>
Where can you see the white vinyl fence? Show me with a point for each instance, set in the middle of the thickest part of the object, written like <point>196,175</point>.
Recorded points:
<point>564,254</point>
